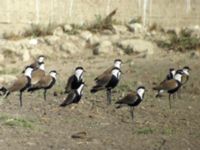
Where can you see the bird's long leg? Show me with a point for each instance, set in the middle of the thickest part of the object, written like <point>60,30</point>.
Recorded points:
<point>20,98</point>
<point>174,96</point>
<point>179,92</point>
<point>45,93</point>
<point>170,101</point>
<point>132,113</point>
<point>109,97</point>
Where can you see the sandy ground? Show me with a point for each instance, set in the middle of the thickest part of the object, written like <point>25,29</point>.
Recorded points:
<point>44,125</point>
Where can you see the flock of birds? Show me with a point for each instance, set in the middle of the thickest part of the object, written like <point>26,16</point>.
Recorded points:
<point>34,78</point>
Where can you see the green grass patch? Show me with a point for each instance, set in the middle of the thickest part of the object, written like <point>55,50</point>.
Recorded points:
<point>16,122</point>
<point>146,130</point>
<point>168,131</point>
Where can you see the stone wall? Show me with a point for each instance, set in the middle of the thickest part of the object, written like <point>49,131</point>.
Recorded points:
<point>16,14</point>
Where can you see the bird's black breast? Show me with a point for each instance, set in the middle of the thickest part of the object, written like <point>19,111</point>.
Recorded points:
<point>169,76</point>
<point>175,89</point>
<point>75,83</point>
<point>136,102</point>
<point>113,82</point>
<point>51,84</point>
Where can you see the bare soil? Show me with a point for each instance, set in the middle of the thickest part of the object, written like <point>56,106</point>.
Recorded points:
<point>43,125</point>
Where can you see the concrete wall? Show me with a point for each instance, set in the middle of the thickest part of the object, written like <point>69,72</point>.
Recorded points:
<point>16,14</point>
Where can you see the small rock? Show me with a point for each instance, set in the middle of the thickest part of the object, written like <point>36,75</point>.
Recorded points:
<point>94,40</point>
<point>120,29</point>
<point>104,47</point>
<point>79,135</point>
<point>58,31</point>
<point>67,28</point>
<point>33,42</point>
<point>137,45</point>
<point>86,35</point>
<point>135,27</point>
<point>69,48</point>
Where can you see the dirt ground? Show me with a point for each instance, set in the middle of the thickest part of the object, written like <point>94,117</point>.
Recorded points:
<point>43,125</point>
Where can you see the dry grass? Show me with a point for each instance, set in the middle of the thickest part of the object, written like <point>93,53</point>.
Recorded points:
<point>184,41</point>
<point>35,30</point>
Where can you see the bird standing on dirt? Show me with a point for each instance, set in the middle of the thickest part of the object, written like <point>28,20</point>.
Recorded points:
<point>117,64</point>
<point>75,80</point>
<point>132,100</point>
<point>107,82</point>
<point>45,83</point>
<point>170,86</point>
<point>74,96</point>
<point>20,84</point>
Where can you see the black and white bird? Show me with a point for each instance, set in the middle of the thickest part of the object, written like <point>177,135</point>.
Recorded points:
<point>107,82</point>
<point>45,83</point>
<point>75,80</point>
<point>20,84</point>
<point>117,64</point>
<point>74,96</point>
<point>132,99</point>
<point>171,74</point>
<point>37,62</point>
<point>170,86</point>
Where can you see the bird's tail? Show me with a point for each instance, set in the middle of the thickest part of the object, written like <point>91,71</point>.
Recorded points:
<point>63,104</point>
<point>96,88</point>
<point>32,89</point>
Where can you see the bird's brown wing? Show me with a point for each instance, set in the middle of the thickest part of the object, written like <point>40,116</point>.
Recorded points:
<point>69,83</point>
<point>18,84</point>
<point>103,81</point>
<point>128,99</point>
<point>167,85</point>
<point>44,82</point>
<point>37,75</point>
<point>108,71</point>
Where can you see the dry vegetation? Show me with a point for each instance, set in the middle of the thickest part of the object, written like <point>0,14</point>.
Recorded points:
<point>184,41</point>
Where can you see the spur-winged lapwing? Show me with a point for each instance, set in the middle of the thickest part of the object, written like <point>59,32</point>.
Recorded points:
<point>45,83</point>
<point>170,86</point>
<point>75,80</point>
<point>74,96</point>
<point>38,61</point>
<point>20,84</point>
<point>38,74</point>
<point>107,82</point>
<point>117,64</point>
<point>132,99</point>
